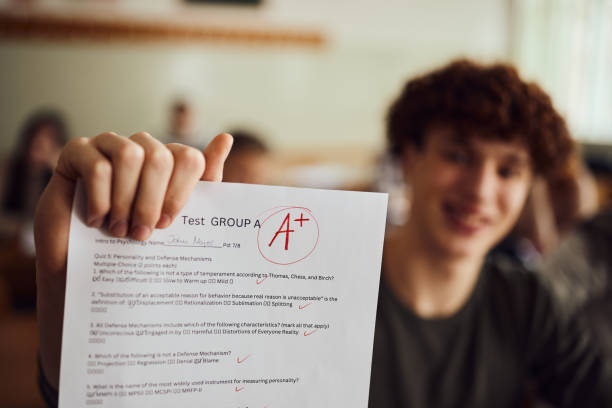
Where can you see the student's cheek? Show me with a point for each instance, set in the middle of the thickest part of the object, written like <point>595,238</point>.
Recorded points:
<point>511,203</point>
<point>433,183</point>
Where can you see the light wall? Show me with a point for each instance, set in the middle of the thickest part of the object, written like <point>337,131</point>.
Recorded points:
<point>301,98</point>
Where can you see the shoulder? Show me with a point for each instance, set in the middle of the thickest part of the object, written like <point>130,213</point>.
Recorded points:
<point>513,282</point>
<point>524,299</point>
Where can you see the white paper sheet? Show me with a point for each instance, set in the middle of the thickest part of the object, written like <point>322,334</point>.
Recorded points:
<point>255,296</point>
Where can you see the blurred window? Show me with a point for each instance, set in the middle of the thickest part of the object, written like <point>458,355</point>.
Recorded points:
<point>566,45</point>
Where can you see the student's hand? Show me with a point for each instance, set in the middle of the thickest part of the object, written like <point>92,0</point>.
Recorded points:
<point>133,185</point>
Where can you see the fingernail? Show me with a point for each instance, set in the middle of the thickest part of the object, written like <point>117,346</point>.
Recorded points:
<point>95,222</point>
<point>119,229</point>
<point>140,232</point>
<point>164,221</point>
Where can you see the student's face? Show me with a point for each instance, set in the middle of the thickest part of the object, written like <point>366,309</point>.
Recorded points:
<point>467,191</point>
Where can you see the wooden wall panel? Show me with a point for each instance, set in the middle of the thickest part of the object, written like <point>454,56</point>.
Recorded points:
<point>65,27</point>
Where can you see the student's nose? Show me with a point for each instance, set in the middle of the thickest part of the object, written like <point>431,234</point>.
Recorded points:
<point>481,183</point>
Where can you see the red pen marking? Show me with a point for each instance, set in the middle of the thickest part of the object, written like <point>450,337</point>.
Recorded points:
<point>239,361</point>
<point>302,219</point>
<point>283,231</point>
<point>310,332</point>
<point>297,254</point>
<point>305,306</point>
<point>239,389</point>
<point>258,281</point>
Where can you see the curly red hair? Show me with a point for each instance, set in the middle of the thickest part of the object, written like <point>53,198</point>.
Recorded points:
<point>491,99</point>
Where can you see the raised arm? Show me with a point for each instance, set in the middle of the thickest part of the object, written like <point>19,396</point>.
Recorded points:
<point>133,186</point>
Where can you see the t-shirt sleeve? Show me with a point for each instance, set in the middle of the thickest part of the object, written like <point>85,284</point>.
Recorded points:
<point>565,362</point>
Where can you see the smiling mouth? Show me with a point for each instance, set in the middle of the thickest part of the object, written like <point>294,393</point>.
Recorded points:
<point>465,220</point>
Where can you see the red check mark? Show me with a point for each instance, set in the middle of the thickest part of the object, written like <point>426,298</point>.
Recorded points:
<point>239,361</point>
<point>305,306</point>
<point>258,281</point>
<point>239,389</point>
<point>310,332</point>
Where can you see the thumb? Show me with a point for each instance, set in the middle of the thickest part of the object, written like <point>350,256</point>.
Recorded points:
<point>215,154</point>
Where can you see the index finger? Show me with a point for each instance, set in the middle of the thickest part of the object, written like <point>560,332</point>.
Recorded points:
<point>215,154</point>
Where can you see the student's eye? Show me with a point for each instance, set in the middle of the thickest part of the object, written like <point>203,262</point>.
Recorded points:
<point>508,172</point>
<point>456,156</point>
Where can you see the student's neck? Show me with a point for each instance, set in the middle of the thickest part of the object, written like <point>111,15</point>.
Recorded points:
<point>431,284</point>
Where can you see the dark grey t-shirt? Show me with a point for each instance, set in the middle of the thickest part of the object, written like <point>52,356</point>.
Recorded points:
<point>509,332</point>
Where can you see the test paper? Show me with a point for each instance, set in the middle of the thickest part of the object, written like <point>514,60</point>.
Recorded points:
<point>255,296</point>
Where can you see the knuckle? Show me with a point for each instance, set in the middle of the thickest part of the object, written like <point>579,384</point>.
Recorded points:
<point>73,147</point>
<point>100,169</point>
<point>141,135</point>
<point>191,158</point>
<point>105,135</point>
<point>160,158</point>
<point>77,143</point>
<point>130,153</point>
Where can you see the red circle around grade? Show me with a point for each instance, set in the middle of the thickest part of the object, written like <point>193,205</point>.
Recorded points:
<point>273,214</point>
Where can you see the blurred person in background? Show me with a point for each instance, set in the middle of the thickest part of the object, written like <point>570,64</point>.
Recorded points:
<point>451,329</point>
<point>249,160</point>
<point>183,125</point>
<point>29,170</point>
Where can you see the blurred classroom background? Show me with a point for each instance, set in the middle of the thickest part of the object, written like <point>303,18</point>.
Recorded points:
<point>313,79</point>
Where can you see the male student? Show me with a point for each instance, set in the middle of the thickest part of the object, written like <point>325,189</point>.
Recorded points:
<point>450,331</point>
